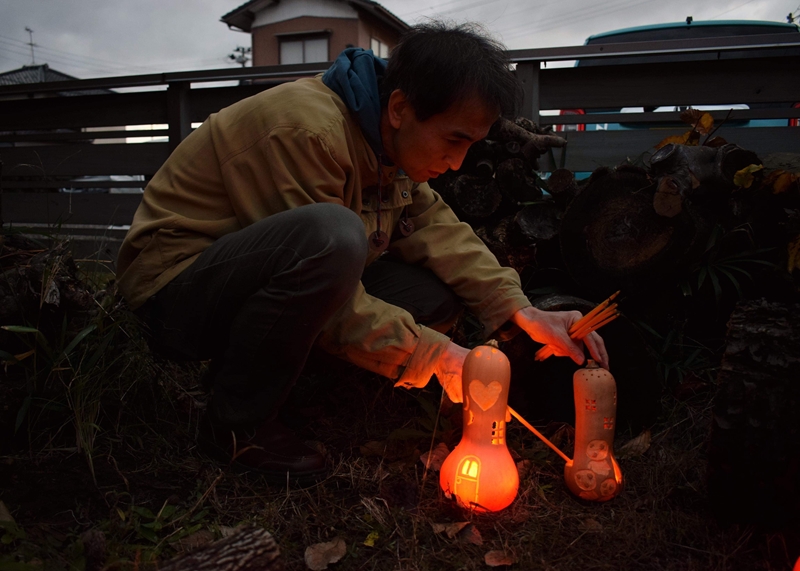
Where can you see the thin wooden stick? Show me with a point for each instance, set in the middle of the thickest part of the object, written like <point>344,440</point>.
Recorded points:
<point>539,435</point>
<point>588,329</point>
<point>597,315</point>
<point>600,307</point>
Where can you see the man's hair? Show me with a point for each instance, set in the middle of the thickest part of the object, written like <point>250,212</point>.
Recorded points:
<point>436,65</point>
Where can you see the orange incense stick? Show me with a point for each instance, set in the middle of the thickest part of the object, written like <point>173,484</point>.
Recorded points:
<point>538,434</point>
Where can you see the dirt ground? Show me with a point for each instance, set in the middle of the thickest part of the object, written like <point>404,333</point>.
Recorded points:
<point>99,469</point>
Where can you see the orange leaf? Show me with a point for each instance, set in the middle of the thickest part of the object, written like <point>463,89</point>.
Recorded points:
<point>784,182</point>
<point>688,138</point>
<point>794,254</point>
<point>497,558</point>
<point>700,121</point>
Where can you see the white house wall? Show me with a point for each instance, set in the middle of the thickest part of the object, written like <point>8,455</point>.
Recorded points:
<point>289,9</point>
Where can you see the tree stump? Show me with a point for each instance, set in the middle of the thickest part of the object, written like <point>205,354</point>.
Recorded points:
<point>612,238</point>
<point>754,446</point>
<point>249,548</point>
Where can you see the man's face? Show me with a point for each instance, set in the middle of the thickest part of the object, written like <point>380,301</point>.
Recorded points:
<point>426,149</point>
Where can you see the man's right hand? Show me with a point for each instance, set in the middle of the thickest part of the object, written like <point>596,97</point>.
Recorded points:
<point>448,370</point>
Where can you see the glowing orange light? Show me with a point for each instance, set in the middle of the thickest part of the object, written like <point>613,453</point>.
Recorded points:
<point>593,473</point>
<point>480,472</point>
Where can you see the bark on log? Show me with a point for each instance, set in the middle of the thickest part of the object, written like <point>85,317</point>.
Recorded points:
<point>685,172</point>
<point>562,187</point>
<point>542,390</point>
<point>533,144</point>
<point>754,458</point>
<point>476,197</point>
<point>249,548</point>
<point>516,182</point>
<point>612,238</point>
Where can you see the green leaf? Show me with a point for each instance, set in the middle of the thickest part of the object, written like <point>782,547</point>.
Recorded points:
<point>89,365</point>
<point>14,566</point>
<point>144,512</point>
<point>20,329</point>
<point>23,410</point>
<point>427,406</point>
<point>78,338</point>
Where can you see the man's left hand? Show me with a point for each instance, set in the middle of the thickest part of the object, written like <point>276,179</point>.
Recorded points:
<point>552,328</point>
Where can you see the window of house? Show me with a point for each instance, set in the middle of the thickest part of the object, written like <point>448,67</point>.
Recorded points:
<point>304,50</point>
<point>379,48</point>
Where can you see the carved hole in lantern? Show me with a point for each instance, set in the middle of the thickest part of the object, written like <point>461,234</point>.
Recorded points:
<point>608,422</point>
<point>591,404</point>
<point>471,418</point>
<point>498,433</point>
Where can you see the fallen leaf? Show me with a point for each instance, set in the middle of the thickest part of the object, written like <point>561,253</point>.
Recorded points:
<point>196,540</point>
<point>433,459</point>
<point>471,534</point>
<point>688,138</point>
<point>524,468</point>
<point>744,178</point>
<point>701,121</point>
<point>372,538</point>
<point>226,531</point>
<point>591,526</point>
<point>715,142</point>
<point>373,448</point>
<point>794,254</point>
<point>451,529</point>
<point>781,181</point>
<point>667,200</point>
<point>635,447</point>
<point>497,558</point>
<point>5,515</point>
<point>320,555</point>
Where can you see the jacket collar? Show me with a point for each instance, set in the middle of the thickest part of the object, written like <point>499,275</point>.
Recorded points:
<point>354,76</point>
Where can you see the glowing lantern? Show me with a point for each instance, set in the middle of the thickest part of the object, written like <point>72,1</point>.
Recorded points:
<point>480,472</point>
<point>593,473</point>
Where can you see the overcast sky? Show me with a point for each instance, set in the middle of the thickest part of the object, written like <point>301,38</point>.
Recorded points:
<point>96,38</point>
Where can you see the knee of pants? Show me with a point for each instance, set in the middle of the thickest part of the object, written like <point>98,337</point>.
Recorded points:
<point>342,232</point>
<point>444,309</point>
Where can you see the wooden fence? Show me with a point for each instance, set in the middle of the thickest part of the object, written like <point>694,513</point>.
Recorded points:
<point>54,139</point>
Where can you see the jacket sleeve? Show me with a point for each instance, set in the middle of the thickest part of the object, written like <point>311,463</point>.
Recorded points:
<point>460,259</point>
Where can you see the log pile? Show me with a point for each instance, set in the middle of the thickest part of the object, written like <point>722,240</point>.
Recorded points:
<point>684,236</point>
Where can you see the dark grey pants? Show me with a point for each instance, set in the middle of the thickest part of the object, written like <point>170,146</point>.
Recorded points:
<point>255,301</point>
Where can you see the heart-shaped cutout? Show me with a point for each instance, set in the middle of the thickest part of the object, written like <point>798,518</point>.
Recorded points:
<point>485,395</point>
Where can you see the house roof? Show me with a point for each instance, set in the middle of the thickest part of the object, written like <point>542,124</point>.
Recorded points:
<point>243,16</point>
<point>43,74</point>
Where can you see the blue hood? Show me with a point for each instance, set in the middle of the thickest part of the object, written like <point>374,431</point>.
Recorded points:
<point>354,77</point>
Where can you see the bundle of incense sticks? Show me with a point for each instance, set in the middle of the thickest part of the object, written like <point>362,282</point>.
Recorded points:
<point>601,315</point>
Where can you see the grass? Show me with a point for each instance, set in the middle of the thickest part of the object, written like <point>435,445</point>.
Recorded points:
<point>97,439</point>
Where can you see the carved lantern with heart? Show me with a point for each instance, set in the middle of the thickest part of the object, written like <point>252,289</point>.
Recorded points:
<point>480,472</point>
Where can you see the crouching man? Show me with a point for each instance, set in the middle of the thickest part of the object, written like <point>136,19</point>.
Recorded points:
<point>302,216</point>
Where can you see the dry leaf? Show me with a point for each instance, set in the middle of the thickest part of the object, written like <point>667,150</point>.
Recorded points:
<point>196,540</point>
<point>451,529</point>
<point>744,177</point>
<point>373,448</point>
<point>5,515</point>
<point>635,447</point>
<point>524,468</point>
<point>434,459</point>
<point>715,142</point>
<point>701,121</point>
<point>591,526</point>
<point>497,558</point>
<point>372,538</point>
<point>667,200</point>
<point>320,555</point>
<point>688,138</point>
<point>471,534</point>
<point>780,181</point>
<point>794,254</point>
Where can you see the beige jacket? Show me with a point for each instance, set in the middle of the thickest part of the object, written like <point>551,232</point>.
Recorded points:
<point>293,145</point>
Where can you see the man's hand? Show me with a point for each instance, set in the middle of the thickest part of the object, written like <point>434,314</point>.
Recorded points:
<point>448,370</point>
<point>552,328</point>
